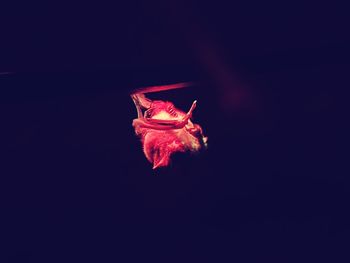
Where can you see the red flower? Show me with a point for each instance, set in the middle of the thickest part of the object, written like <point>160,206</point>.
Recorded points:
<point>164,129</point>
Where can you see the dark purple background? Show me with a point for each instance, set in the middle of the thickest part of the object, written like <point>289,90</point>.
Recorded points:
<point>270,188</point>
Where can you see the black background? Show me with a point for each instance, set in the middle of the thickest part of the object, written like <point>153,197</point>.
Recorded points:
<point>270,77</point>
